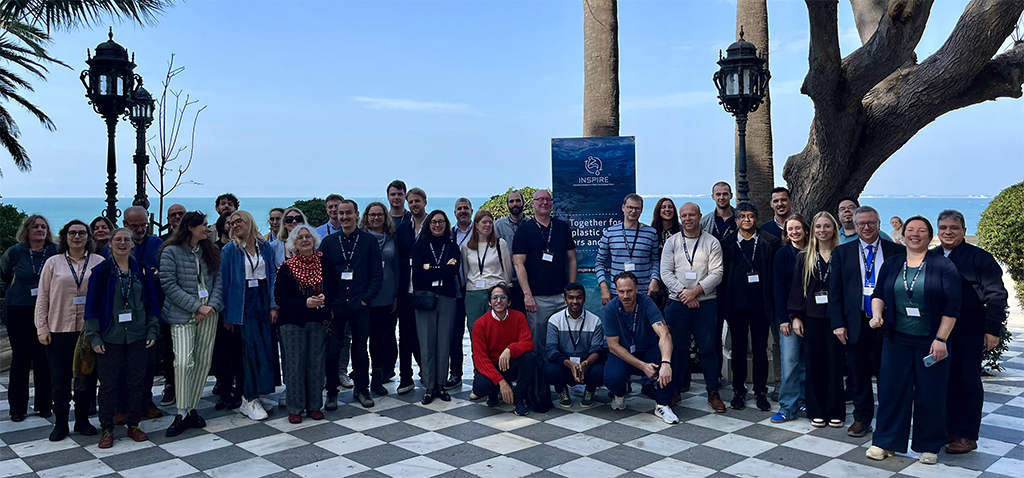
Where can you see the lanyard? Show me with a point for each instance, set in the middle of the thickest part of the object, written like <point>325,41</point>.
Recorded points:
<point>346,254</point>
<point>456,231</point>
<point>695,243</point>
<point>32,259</point>
<point>329,231</point>
<point>78,279</point>
<point>633,319</point>
<point>438,259</point>
<point>636,236</point>
<point>753,255</point>
<point>126,284</point>
<point>823,276</point>
<point>869,268</point>
<point>728,227</point>
<point>551,231</point>
<point>251,265</point>
<point>579,333</point>
<point>910,288</point>
<point>479,260</point>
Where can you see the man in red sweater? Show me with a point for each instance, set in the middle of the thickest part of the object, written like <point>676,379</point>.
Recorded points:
<point>503,351</point>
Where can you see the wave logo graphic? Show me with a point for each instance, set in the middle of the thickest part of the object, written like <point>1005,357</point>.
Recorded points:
<point>593,165</point>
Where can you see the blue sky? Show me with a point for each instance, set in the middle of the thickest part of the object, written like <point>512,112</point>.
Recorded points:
<point>462,98</point>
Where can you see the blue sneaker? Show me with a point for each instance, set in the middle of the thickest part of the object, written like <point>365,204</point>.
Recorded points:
<point>781,417</point>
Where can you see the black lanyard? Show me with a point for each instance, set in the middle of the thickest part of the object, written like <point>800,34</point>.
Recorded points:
<point>438,259</point>
<point>78,279</point>
<point>636,236</point>
<point>753,254</point>
<point>345,254</point>
<point>910,288</point>
<point>687,251</point>
<point>32,260</point>
<point>126,284</point>
<point>251,265</point>
<point>869,268</point>
<point>633,319</point>
<point>579,333</point>
<point>728,227</point>
<point>823,276</point>
<point>551,232</point>
<point>479,260</point>
<point>456,231</point>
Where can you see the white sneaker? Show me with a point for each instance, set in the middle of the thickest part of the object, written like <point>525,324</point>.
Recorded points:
<point>928,458</point>
<point>345,380</point>
<point>877,453</point>
<point>253,409</point>
<point>666,414</point>
<point>618,403</point>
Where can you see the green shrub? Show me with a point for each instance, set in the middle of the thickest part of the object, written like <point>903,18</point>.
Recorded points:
<point>315,210</point>
<point>10,220</point>
<point>498,204</point>
<point>999,232</point>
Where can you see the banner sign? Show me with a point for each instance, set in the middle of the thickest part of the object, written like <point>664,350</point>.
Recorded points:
<point>589,178</point>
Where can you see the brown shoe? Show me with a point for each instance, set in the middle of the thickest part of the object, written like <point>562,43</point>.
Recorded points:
<point>858,430</point>
<point>107,439</point>
<point>961,446</point>
<point>120,418</point>
<point>153,412</point>
<point>136,433</point>
<point>716,402</point>
<point>950,438</point>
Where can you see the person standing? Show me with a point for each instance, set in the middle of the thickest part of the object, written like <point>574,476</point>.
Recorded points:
<point>193,290</point>
<point>503,351</point>
<point>486,262</point>
<point>20,268</point>
<point>808,300</point>
<point>435,273</point>
<point>618,252</point>
<point>174,215</point>
<point>917,301</point>
<point>792,370</point>
<point>408,341</point>
<point>383,320</point>
<point>575,350</point>
<point>722,221</point>
<point>897,229</point>
<point>507,227</point>
<point>354,258</point>
<point>225,203</point>
<point>692,269</point>
<point>59,320</point>
<point>461,231</point>
<point>292,218</point>
<point>274,218</point>
<point>164,348</point>
<point>776,226</point>
<point>333,223</point>
<point>304,285</point>
<point>848,233</point>
<point>855,267</point>
<point>396,198</point>
<point>101,228</point>
<point>780,202</point>
<point>333,202</point>
<point>122,311</point>
<point>981,321</point>
<point>665,222</point>
<point>248,273</point>
<point>748,255</point>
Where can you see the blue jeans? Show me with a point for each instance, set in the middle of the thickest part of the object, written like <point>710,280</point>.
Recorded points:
<point>791,392</point>
<point>702,323</point>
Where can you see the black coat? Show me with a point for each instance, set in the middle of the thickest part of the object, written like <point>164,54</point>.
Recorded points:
<point>767,247</point>
<point>368,273</point>
<point>846,285</point>
<point>406,241</point>
<point>941,291</point>
<point>983,296</point>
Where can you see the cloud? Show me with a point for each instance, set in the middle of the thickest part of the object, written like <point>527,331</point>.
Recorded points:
<point>674,100</point>
<point>399,104</point>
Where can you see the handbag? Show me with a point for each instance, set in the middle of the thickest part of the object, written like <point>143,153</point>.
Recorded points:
<point>424,300</point>
<point>85,357</point>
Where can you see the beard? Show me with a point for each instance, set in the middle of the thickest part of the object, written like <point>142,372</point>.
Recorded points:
<point>516,210</point>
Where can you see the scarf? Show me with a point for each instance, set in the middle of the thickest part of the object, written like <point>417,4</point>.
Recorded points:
<point>307,270</point>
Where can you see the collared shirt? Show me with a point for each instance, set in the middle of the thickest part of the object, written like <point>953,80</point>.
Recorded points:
<point>621,245</point>
<point>843,238</point>
<point>499,319</point>
<point>877,247</point>
<point>506,229</point>
<point>327,229</point>
<point>632,329</point>
<point>56,310</point>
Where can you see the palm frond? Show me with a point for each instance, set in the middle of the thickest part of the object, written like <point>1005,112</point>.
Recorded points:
<point>9,94</point>
<point>9,133</point>
<point>34,38</point>
<point>27,58</point>
<point>72,14</point>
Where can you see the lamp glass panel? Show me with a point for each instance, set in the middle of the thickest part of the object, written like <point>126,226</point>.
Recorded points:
<point>104,85</point>
<point>120,86</point>
<point>748,81</point>
<point>732,86</point>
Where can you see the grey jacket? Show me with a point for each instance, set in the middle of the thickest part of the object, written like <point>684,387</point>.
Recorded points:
<point>179,280</point>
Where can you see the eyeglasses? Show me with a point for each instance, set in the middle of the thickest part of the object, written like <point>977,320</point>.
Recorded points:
<point>437,222</point>
<point>541,199</point>
<point>176,214</point>
<point>236,221</point>
<point>866,225</point>
<point>78,233</point>
<point>499,297</point>
<point>291,219</point>
<point>375,215</point>
<point>634,208</point>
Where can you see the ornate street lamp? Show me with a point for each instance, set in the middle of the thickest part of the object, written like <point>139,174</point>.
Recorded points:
<point>110,85</point>
<point>742,82</point>
<point>141,115</point>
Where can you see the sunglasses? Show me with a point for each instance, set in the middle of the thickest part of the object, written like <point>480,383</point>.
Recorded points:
<point>176,214</point>
<point>291,219</point>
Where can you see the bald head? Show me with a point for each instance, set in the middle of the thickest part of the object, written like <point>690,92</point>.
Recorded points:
<point>174,215</point>
<point>136,218</point>
<point>689,217</point>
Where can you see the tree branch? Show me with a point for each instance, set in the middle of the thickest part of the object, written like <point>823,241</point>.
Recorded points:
<point>891,47</point>
<point>822,80</point>
<point>867,14</point>
<point>975,39</point>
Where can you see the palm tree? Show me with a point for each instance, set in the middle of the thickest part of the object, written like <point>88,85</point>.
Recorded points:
<point>24,36</point>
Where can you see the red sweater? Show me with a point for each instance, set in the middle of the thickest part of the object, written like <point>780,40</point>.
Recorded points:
<point>491,337</point>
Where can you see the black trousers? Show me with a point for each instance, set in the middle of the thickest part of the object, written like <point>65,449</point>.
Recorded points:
<point>408,340</point>
<point>383,346</point>
<point>824,361</point>
<point>166,351</point>
<point>227,359</point>
<point>910,393</point>
<point>559,376</point>
<point>965,395</point>
<point>863,359</point>
<point>128,361</point>
<point>61,356</point>
<point>520,369</point>
<point>359,323</point>
<point>457,354</point>
<point>26,354</point>
<point>754,322</point>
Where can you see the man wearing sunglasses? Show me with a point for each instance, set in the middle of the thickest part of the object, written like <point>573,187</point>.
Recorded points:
<point>174,215</point>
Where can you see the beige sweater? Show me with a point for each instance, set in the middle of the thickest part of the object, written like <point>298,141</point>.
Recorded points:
<point>707,264</point>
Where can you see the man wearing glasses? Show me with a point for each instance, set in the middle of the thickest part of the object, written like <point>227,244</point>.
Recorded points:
<point>849,308</point>
<point>503,351</point>
<point>174,215</point>
<point>848,233</point>
<point>628,246</point>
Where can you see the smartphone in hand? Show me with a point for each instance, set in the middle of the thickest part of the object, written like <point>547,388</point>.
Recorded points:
<point>930,360</point>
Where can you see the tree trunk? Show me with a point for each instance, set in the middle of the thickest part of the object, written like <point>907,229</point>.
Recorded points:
<point>869,104</point>
<point>601,68</point>
<point>752,18</point>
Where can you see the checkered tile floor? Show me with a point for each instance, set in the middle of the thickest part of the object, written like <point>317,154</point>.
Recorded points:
<point>403,439</point>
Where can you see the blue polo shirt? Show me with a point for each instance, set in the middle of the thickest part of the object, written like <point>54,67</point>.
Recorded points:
<point>636,328</point>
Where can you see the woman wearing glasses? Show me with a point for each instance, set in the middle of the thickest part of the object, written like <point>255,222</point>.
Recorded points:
<point>383,319</point>
<point>191,280</point>
<point>292,218</point>
<point>247,267</point>
<point>435,271</point>
<point>60,317</point>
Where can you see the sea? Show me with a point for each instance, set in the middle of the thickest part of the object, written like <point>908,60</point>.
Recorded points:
<point>61,210</point>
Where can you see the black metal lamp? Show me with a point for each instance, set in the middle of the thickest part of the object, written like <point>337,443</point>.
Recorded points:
<point>742,82</point>
<point>141,115</point>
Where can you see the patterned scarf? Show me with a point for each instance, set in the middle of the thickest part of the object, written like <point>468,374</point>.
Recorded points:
<point>307,270</point>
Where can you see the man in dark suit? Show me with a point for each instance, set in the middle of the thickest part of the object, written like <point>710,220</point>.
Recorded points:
<point>849,309</point>
<point>408,342</point>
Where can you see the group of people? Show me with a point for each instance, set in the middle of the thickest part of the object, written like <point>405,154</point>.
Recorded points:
<point>296,306</point>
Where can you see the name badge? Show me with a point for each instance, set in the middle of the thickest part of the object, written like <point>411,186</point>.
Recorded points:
<point>124,317</point>
<point>78,300</point>
<point>913,312</point>
<point>632,349</point>
<point>203,294</point>
<point>347,275</point>
<point>252,283</point>
<point>821,298</point>
<point>753,278</point>
<point>34,291</point>
<point>436,283</point>
<point>630,267</point>
<point>869,290</point>
<point>690,275</point>
<point>480,284</point>
<point>574,359</point>
<point>547,257</point>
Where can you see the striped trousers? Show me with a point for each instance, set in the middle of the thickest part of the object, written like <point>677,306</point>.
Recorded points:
<point>193,353</point>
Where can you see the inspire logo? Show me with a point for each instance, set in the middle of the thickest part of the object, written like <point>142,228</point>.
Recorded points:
<point>593,165</point>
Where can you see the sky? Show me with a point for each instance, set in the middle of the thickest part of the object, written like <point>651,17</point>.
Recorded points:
<point>462,98</point>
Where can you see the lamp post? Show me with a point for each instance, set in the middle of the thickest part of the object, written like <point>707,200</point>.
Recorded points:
<point>109,88</point>
<point>141,115</point>
<point>742,82</point>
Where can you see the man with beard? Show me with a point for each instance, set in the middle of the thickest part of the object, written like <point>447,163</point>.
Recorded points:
<point>460,232</point>
<point>408,341</point>
<point>506,228</point>
<point>722,221</point>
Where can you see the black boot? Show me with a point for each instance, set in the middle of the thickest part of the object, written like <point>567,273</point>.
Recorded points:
<point>82,425</point>
<point>60,426</point>
<point>375,382</point>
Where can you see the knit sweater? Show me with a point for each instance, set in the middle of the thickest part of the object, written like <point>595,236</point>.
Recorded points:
<point>706,253</point>
<point>569,337</point>
<point>491,337</point>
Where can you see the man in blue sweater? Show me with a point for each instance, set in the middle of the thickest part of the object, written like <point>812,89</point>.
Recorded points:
<point>575,348</point>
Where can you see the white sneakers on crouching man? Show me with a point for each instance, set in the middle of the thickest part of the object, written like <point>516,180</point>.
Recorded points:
<point>665,413</point>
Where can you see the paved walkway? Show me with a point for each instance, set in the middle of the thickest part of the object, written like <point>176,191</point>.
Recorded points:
<point>402,439</point>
